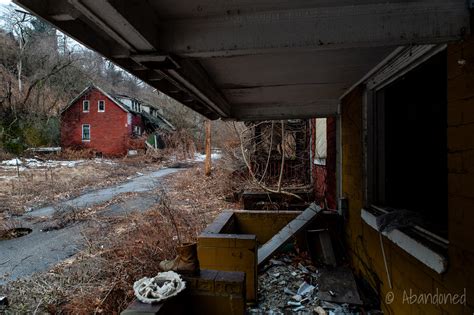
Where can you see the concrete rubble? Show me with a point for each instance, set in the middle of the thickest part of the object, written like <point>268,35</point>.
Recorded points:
<point>289,285</point>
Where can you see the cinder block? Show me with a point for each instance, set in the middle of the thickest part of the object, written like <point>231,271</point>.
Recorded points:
<point>226,297</point>
<point>455,163</point>
<point>207,256</point>
<point>458,139</point>
<point>216,240</point>
<point>232,259</point>
<point>224,221</point>
<point>461,185</point>
<point>230,283</point>
<point>461,87</point>
<point>245,241</point>
<point>205,281</point>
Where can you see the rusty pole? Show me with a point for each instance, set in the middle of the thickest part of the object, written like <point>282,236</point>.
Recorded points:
<point>207,165</point>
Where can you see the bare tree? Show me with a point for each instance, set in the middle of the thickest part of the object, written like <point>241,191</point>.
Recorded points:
<point>249,141</point>
<point>19,26</point>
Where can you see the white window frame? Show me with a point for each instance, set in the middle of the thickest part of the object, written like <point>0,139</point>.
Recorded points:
<point>84,102</point>
<point>98,106</point>
<point>88,125</point>
<point>412,245</point>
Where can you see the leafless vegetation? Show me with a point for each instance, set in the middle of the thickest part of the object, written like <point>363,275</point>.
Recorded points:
<point>121,250</point>
<point>274,154</point>
<point>40,186</point>
<point>41,70</point>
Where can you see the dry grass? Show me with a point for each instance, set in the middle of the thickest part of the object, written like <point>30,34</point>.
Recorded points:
<point>36,187</point>
<point>119,251</point>
<point>206,194</point>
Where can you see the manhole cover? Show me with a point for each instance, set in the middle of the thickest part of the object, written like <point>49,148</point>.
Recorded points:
<point>14,233</point>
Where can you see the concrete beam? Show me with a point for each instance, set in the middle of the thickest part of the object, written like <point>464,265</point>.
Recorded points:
<point>112,22</point>
<point>384,24</point>
<point>107,41</point>
<point>193,76</point>
<point>318,108</point>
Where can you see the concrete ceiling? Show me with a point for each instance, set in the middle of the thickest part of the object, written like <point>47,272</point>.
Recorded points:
<point>253,60</point>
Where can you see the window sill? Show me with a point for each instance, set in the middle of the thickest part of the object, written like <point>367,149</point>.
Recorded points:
<point>85,140</point>
<point>426,255</point>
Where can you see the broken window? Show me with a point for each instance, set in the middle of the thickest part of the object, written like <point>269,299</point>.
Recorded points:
<point>407,148</point>
<point>86,132</point>
<point>101,106</point>
<point>85,106</point>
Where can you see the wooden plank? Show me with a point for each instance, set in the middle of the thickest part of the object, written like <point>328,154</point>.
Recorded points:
<point>327,253</point>
<point>338,285</point>
<point>277,241</point>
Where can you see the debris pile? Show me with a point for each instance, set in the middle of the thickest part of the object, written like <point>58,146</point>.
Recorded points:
<point>290,285</point>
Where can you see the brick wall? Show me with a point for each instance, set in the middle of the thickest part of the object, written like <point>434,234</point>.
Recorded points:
<point>406,271</point>
<point>109,130</point>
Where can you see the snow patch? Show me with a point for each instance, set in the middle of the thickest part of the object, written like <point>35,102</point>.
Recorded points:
<point>34,163</point>
<point>12,162</point>
<point>198,157</point>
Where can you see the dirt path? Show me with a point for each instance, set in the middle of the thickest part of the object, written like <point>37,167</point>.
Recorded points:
<point>40,250</point>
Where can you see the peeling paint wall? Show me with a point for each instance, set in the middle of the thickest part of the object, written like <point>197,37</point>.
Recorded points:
<point>407,273</point>
<point>324,176</point>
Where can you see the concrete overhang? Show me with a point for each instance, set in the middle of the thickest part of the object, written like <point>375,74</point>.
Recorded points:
<point>253,59</point>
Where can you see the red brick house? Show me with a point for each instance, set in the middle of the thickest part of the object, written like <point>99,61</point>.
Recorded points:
<point>99,121</point>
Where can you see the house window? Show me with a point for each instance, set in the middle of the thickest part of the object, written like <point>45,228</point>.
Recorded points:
<point>86,132</point>
<point>407,145</point>
<point>101,106</point>
<point>137,130</point>
<point>85,106</point>
<point>136,106</point>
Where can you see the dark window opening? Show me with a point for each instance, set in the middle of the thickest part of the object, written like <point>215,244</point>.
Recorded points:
<point>101,106</point>
<point>85,106</point>
<point>408,145</point>
<point>137,131</point>
<point>86,132</point>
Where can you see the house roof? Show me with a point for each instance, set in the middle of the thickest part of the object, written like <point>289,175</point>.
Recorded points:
<point>108,95</point>
<point>159,122</point>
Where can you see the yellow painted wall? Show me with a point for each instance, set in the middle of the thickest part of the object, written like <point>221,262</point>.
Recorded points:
<point>219,250</point>
<point>263,224</point>
<point>406,271</point>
